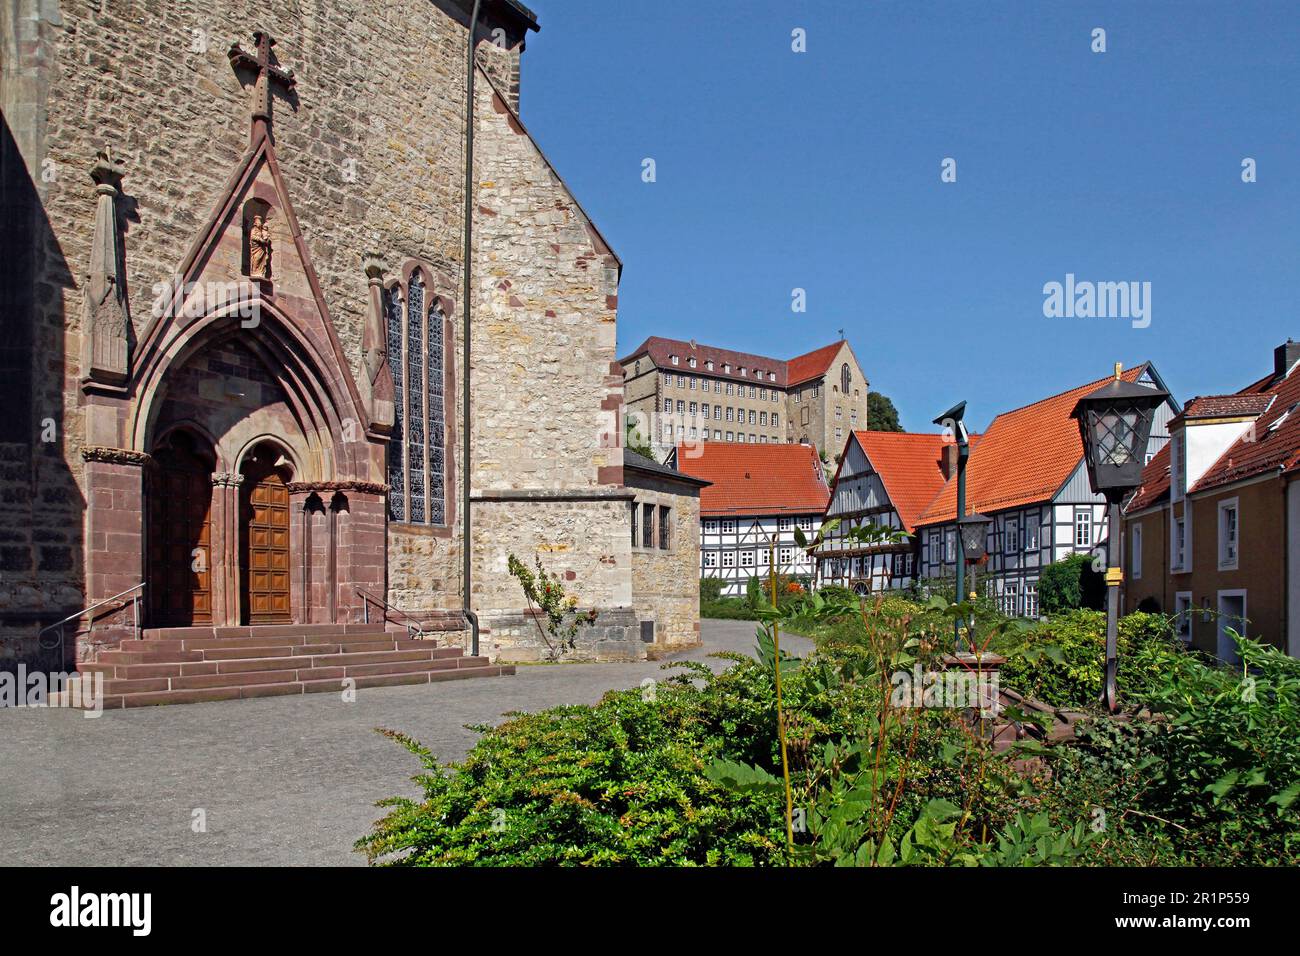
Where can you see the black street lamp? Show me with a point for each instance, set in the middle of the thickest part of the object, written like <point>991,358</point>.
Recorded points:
<point>952,419</point>
<point>1115,424</point>
<point>974,531</point>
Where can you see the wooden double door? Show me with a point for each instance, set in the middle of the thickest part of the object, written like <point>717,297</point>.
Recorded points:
<point>264,548</point>
<point>180,537</point>
<point>183,556</point>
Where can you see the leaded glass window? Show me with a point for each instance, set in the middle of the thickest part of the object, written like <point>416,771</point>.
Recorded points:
<point>437,420</point>
<point>416,357</point>
<point>415,394</point>
<point>396,471</point>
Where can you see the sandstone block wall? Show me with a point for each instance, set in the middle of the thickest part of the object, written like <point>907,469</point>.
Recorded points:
<point>371,146</point>
<point>666,582</point>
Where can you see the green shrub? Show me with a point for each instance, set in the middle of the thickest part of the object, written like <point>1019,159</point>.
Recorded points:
<point>733,609</point>
<point>1062,662</point>
<point>1228,754</point>
<point>710,589</point>
<point>1071,584</point>
<point>619,783</point>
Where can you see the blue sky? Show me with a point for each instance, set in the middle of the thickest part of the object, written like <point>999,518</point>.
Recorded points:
<point>778,170</point>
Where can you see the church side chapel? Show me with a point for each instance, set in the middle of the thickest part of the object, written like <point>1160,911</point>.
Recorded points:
<point>260,405</point>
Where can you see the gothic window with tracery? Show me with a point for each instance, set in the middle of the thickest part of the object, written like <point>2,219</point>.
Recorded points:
<point>416,357</point>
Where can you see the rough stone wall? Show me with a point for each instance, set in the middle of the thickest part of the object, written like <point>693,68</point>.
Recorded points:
<point>666,583</point>
<point>545,374</point>
<point>644,404</point>
<point>832,398</point>
<point>585,541</point>
<point>371,146</point>
<point>368,144</point>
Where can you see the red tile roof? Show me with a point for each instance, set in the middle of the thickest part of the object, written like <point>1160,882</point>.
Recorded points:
<point>805,368</point>
<point>1024,457</point>
<point>1273,444</point>
<point>756,479</point>
<point>910,465</point>
<point>1155,482</point>
<point>1226,406</point>
<point>797,370</point>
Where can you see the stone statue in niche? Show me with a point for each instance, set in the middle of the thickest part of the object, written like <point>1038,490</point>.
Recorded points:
<point>259,248</point>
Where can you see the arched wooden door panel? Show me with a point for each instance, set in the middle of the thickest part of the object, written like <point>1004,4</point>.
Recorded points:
<point>179,557</point>
<point>264,544</point>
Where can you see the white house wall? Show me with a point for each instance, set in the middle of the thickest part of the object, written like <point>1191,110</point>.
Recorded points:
<point>737,549</point>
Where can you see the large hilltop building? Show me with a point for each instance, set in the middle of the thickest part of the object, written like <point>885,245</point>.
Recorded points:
<point>686,392</point>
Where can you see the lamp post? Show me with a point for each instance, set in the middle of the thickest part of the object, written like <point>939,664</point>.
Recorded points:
<point>1115,425</point>
<point>952,419</point>
<point>972,531</point>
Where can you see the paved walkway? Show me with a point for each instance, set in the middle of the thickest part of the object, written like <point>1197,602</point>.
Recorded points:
<point>282,780</point>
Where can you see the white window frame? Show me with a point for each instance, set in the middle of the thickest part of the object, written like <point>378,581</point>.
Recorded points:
<point>1229,550</point>
<point>1178,551</point>
<point>1081,513</point>
<point>728,559</point>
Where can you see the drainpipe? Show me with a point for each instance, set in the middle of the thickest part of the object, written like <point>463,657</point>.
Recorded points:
<point>465,327</point>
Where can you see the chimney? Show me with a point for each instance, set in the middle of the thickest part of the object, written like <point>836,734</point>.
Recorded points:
<point>948,460</point>
<point>1285,356</point>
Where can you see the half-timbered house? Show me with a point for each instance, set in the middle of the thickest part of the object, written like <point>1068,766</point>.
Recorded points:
<point>759,495</point>
<point>884,479</point>
<point>1028,474</point>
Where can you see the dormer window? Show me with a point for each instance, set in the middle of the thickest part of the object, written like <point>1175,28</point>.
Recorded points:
<point>691,362</point>
<point>771,376</point>
<point>727,368</point>
<point>743,371</point>
<point>675,360</point>
<point>709,365</point>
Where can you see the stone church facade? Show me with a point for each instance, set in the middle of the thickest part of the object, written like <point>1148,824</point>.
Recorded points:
<point>233,353</point>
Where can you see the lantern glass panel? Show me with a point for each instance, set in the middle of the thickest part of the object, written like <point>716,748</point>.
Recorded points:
<point>974,536</point>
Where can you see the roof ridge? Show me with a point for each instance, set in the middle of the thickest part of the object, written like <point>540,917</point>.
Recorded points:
<point>1066,391</point>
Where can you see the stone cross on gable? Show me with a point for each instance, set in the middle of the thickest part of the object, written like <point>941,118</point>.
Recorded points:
<point>259,62</point>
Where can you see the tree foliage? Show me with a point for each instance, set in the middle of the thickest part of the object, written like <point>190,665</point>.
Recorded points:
<point>882,416</point>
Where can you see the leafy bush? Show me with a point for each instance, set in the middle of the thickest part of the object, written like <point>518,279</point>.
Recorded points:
<point>619,783</point>
<point>710,589</point>
<point>1071,584</point>
<point>732,609</point>
<point>689,772</point>
<point>1228,753</point>
<point>1062,662</point>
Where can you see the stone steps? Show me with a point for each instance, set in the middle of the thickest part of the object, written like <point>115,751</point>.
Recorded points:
<point>189,665</point>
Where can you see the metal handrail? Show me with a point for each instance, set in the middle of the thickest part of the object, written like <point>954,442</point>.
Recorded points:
<point>413,626</point>
<point>76,615</point>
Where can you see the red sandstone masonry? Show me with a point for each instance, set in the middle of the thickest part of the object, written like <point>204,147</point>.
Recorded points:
<point>191,665</point>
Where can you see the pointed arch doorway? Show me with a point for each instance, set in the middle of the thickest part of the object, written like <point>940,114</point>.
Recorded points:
<point>264,569</point>
<point>179,556</point>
